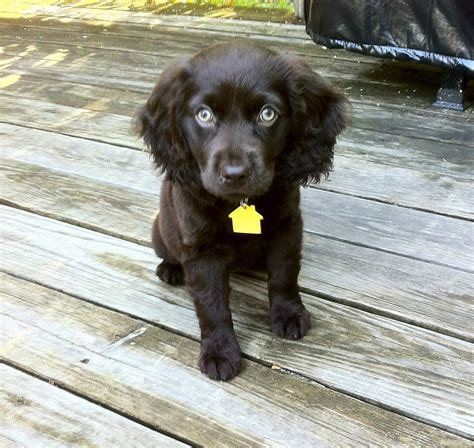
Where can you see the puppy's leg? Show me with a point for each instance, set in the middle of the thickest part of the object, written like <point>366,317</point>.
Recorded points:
<point>169,270</point>
<point>208,282</point>
<point>289,317</point>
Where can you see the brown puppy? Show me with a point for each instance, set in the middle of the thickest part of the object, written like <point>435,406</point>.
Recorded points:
<point>237,121</point>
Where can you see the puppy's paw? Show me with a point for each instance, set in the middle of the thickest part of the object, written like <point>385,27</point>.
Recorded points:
<point>290,320</point>
<point>220,361</point>
<point>170,273</point>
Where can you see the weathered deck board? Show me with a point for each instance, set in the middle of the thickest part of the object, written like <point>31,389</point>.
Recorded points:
<point>407,187</point>
<point>386,278</point>
<point>364,82</point>
<point>408,287</point>
<point>120,69</point>
<point>435,157</point>
<point>8,443</point>
<point>39,413</point>
<point>191,30</point>
<point>432,238</point>
<point>110,18</point>
<point>176,39</point>
<point>358,90</point>
<point>271,408</point>
<point>340,354</point>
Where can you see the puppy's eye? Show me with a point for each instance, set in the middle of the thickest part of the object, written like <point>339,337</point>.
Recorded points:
<point>267,115</point>
<point>204,116</point>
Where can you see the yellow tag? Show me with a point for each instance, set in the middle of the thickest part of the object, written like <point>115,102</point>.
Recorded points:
<point>245,219</point>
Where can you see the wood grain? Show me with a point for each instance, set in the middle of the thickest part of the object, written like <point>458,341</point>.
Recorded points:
<point>399,287</point>
<point>106,208</point>
<point>392,364</point>
<point>105,328</point>
<point>189,30</point>
<point>435,157</point>
<point>119,69</point>
<point>436,239</point>
<point>38,414</point>
<point>407,187</point>
<point>358,90</point>
<point>153,378</point>
<point>406,84</point>
<point>368,77</point>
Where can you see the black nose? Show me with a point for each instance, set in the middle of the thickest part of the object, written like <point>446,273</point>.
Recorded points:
<point>232,173</point>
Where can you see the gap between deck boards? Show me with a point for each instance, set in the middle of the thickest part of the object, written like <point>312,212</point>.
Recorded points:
<point>63,386</point>
<point>262,361</point>
<point>259,361</point>
<point>143,82</point>
<point>343,191</point>
<point>284,371</point>
<point>173,54</point>
<point>146,242</point>
<point>311,292</point>
<point>127,300</point>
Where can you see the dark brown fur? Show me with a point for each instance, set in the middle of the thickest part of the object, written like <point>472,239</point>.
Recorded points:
<point>210,166</point>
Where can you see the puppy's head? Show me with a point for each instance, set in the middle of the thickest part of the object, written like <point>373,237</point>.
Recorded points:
<point>237,117</point>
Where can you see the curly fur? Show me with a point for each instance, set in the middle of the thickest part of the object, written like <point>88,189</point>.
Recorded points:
<point>210,166</point>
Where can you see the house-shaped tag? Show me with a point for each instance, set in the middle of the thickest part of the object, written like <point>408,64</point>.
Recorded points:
<point>245,219</point>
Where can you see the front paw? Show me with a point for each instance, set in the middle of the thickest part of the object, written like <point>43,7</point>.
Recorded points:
<point>290,319</point>
<point>220,359</point>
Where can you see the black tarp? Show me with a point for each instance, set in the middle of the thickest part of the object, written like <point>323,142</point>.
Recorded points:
<point>439,32</point>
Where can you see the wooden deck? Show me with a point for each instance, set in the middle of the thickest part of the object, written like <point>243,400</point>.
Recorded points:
<point>98,352</point>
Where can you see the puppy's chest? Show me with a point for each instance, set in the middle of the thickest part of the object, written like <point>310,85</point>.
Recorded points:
<point>245,250</point>
<point>248,250</point>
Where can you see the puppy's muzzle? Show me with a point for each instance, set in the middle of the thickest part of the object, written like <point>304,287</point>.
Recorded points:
<point>234,174</point>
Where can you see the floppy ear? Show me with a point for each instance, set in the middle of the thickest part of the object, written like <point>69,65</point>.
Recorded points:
<point>319,115</point>
<point>158,122</point>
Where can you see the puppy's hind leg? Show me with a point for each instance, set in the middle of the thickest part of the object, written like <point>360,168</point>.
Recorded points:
<point>169,270</point>
<point>170,273</point>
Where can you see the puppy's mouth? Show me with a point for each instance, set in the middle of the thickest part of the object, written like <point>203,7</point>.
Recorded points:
<point>234,195</point>
<point>238,191</point>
